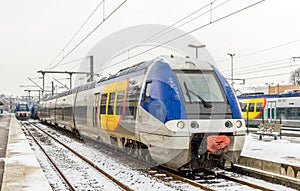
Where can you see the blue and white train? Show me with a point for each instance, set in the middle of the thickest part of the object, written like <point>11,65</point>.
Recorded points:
<point>22,111</point>
<point>169,109</point>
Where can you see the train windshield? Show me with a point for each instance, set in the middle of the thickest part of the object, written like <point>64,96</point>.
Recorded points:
<point>23,107</point>
<point>200,86</point>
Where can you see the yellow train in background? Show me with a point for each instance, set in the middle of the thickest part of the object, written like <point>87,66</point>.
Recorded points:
<point>276,108</point>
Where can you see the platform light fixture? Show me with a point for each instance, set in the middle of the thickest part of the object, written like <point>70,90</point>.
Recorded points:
<point>196,47</point>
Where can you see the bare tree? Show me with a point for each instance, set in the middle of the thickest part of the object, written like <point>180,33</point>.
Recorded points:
<point>295,77</point>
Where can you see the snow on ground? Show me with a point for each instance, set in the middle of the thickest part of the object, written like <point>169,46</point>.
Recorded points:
<point>140,181</point>
<point>285,150</point>
<point>134,178</point>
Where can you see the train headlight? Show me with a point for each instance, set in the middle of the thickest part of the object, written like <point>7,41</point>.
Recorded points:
<point>238,123</point>
<point>180,124</point>
<point>194,125</point>
<point>228,124</point>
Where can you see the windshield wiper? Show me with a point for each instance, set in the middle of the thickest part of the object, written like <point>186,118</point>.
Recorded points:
<point>188,91</point>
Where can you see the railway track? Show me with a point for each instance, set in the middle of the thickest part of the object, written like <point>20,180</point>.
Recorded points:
<point>229,177</point>
<point>211,181</point>
<point>80,166</point>
<point>214,180</point>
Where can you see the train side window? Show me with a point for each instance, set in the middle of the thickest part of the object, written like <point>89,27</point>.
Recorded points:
<point>147,91</point>
<point>132,100</point>
<point>103,104</point>
<point>120,102</point>
<point>258,107</point>
<point>244,107</point>
<point>111,102</point>
<point>251,107</point>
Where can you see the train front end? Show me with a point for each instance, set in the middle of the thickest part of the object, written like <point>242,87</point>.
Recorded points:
<point>196,118</point>
<point>22,111</point>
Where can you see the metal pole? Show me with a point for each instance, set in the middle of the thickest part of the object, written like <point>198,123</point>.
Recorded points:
<point>70,79</point>
<point>247,123</point>
<point>29,97</point>
<point>52,87</point>
<point>43,83</point>
<point>231,55</point>
<point>92,68</point>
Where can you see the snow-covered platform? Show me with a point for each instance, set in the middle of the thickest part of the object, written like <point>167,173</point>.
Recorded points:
<point>22,171</point>
<point>279,156</point>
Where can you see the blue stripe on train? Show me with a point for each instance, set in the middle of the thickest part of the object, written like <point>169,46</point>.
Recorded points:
<point>231,97</point>
<point>165,100</point>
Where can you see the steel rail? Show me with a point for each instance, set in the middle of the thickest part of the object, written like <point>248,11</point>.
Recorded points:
<point>69,185</point>
<point>180,178</point>
<point>93,165</point>
<point>220,175</point>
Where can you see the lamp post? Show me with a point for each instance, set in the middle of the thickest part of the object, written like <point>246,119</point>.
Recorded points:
<point>231,55</point>
<point>196,47</point>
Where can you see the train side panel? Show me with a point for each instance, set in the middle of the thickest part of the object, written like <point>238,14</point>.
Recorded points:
<point>49,111</point>
<point>64,111</point>
<point>118,101</point>
<point>83,113</point>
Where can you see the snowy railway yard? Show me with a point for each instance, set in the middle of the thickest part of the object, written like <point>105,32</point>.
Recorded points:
<point>127,170</point>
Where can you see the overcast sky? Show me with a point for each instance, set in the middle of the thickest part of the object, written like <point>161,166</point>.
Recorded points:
<point>264,38</point>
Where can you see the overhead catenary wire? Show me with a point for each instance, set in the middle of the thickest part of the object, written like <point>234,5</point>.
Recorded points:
<point>76,60</point>
<point>262,50</point>
<point>261,65</point>
<point>173,26</point>
<point>158,34</point>
<point>267,69</point>
<point>90,33</point>
<point>265,64</point>
<point>266,76</point>
<point>189,32</point>
<point>76,33</point>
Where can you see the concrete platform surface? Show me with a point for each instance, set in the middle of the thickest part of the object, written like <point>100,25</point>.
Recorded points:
<point>4,129</point>
<point>280,156</point>
<point>22,171</point>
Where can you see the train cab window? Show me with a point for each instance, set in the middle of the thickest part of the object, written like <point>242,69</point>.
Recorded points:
<point>120,102</point>
<point>111,102</point>
<point>203,84</point>
<point>103,104</point>
<point>251,107</point>
<point>258,107</point>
